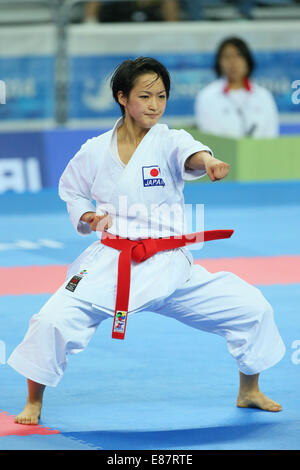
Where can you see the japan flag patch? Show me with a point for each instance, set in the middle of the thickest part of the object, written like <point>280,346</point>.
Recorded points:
<point>152,176</point>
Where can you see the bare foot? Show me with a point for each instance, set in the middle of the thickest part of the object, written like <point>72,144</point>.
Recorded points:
<point>257,399</point>
<point>30,414</point>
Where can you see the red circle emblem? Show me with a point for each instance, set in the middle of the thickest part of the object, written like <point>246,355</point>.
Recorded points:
<point>154,172</point>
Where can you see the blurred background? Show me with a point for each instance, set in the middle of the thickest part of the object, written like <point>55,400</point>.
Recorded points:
<point>56,57</point>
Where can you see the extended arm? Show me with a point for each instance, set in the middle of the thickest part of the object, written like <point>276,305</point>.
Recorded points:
<point>215,169</point>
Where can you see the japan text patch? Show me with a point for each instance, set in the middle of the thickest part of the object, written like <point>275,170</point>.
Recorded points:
<point>152,176</point>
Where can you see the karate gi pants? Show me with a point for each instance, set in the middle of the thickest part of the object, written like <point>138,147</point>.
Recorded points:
<point>219,303</point>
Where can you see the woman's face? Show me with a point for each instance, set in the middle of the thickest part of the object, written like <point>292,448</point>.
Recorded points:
<point>146,102</point>
<point>232,64</point>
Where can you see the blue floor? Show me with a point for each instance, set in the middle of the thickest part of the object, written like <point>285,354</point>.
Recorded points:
<point>166,386</point>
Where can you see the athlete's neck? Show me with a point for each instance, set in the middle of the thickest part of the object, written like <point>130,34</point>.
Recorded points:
<point>236,84</point>
<point>130,132</point>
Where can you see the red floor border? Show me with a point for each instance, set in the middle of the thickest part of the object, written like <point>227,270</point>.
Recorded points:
<point>9,428</point>
<point>268,270</point>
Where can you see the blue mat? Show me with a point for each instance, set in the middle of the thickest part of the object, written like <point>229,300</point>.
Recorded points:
<point>166,386</point>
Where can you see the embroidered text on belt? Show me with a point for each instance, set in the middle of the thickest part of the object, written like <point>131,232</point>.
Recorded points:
<point>140,250</point>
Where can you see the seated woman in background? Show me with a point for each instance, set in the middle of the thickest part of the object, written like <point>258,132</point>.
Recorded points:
<point>233,105</point>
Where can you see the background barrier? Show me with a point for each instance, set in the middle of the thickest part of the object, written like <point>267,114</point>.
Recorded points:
<point>30,161</point>
<point>256,159</point>
<point>58,74</point>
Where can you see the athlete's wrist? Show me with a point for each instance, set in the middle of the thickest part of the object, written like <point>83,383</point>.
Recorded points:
<point>86,216</point>
<point>198,160</point>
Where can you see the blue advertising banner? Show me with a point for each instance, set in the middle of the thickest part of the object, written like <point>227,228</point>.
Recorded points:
<point>21,162</point>
<point>30,92</point>
<point>30,161</point>
<point>90,95</point>
<point>30,84</point>
<point>277,71</point>
<point>28,68</point>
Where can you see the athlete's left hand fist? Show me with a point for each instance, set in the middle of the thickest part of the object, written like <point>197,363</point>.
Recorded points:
<point>216,169</point>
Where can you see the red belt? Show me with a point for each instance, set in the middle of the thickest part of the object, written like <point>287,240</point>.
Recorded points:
<point>140,250</point>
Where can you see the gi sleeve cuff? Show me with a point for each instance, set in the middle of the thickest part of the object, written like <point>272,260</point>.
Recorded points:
<point>76,209</point>
<point>191,175</point>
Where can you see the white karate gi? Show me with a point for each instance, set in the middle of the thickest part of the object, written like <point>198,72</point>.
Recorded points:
<point>236,113</point>
<point>167,283</point>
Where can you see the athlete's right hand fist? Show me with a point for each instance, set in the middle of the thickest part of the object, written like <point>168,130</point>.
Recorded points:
<point>97,223</point>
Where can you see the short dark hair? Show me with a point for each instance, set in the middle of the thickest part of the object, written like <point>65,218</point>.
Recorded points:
<point>124,76</point>
<point>242,48</point>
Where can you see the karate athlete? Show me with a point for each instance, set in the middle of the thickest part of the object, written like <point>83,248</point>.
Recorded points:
<point>142,164</point>
<point>234,105</point>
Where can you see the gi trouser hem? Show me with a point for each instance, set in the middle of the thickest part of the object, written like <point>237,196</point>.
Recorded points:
<point>263,364</point>
<point>32,371</point>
